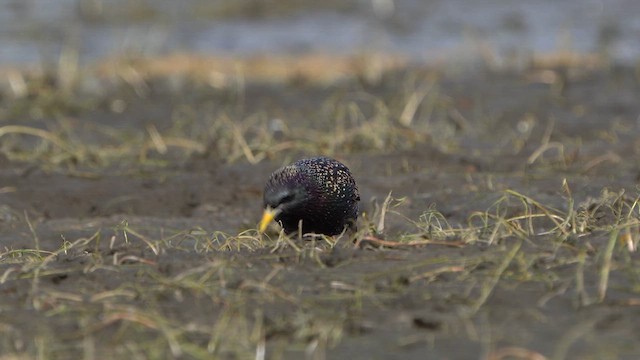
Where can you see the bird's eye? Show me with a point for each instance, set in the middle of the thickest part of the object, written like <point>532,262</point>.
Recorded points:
<point>287,198</point>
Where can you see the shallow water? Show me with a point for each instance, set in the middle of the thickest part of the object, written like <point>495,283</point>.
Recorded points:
<point>33,31</point>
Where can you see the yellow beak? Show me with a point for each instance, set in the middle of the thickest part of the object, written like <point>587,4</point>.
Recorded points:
<point>267,217</point>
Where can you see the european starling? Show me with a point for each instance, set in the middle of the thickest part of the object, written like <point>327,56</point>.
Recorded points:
<point>319,192</point>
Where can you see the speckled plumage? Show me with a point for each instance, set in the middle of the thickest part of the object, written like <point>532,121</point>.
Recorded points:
<point>319,191</point>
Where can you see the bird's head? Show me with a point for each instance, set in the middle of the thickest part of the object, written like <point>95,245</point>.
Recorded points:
<point>279,201</point>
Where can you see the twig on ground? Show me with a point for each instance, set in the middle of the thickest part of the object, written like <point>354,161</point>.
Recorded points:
<point>372,240</point>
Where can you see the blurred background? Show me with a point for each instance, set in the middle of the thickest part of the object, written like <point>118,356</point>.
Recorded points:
<point>35,32</point>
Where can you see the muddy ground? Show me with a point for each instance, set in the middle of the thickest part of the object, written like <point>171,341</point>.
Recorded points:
<point>128,224</point>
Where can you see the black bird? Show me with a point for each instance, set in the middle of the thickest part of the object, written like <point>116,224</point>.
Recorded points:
<point>319,191</point>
